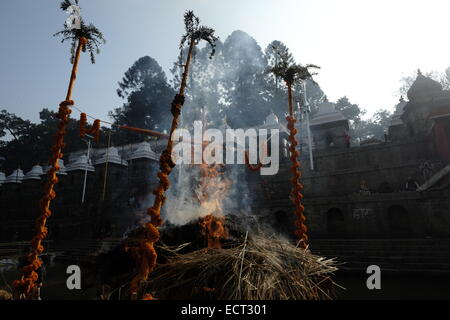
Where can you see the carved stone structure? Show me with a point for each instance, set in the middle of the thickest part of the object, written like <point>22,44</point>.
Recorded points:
<point>329,127</point>
<point>416,153</point>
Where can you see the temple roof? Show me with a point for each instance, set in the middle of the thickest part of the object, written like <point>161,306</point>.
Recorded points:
<point>423,88</point>
<point>34,174</point>
<point>145,151</point>
<point>111,156</point>
<point>81,163</point>
<point>272,122</point>
<point>327,114</point>
<point>15,177</point>
<point>2,178</point>
<point>62,168</point>
<point>399,108</point>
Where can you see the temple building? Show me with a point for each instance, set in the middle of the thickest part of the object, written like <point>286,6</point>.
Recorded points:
<point>399,187</point>
<point>329,127</point>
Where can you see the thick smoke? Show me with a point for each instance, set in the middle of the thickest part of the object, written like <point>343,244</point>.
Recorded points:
<point>212,95</point>
<point>233,90</point>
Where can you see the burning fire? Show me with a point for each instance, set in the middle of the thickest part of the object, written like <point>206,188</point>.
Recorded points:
<point>212,190</point>
<point>213,228</point>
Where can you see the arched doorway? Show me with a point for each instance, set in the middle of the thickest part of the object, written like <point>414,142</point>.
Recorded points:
<point>398,221</point>
<point>335,223</point>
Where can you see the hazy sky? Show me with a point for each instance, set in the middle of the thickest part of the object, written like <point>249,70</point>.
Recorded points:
<point>364,47</point>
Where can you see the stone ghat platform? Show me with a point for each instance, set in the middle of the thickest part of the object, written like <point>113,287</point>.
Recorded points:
<point>393,256</point>
<point>406,256</point>
<point>64,250</point>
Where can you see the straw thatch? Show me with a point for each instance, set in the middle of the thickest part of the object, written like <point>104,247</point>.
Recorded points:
<point>256,269</point>
<point>5,295</point>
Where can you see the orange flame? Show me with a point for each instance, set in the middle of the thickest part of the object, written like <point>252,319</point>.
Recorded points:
<point>213,228</point>
<point>211,192</point>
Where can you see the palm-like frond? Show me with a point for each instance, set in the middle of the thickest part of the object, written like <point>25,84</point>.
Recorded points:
<point>291,72</point>
<point>92,34</point>
<point>65,4</point>
<point>295,72</point>
<point>196,32</point>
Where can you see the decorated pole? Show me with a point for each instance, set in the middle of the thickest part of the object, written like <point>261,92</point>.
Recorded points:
<point>27,282</point>
<point>144,252</point>
<point>291,73</point>
<point>82,37</point>
<point>297,187</point>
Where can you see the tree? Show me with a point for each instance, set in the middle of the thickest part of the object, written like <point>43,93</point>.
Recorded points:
<point>13,125</point>
<point>375,127</point>
<point>292,73</point>
<point>275,88</point>
<point>244,81</point>
<point>445,79</point>
<point>33,140</point>
<point>206,88</point>
<point>84,39</point>
<point>93,37</point>
<point>20,133</point>
<point>144,252</point>
<point>147,94</point>
<point>350,110</point>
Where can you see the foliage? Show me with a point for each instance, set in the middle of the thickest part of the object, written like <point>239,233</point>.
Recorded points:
<point>34,140</point>
<point>197,32</point>
<point>13,125</point>
<point>147,96</point>
<point>351,111</point>
<point>92,34</point>
<point>243,81</point>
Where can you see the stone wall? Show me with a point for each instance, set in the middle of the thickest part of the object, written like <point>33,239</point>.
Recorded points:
<point>126,189</point>
<point>334,205</point>
<point>336,208</point>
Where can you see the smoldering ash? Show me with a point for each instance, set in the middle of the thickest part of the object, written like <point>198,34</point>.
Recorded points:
<point>215,146</point>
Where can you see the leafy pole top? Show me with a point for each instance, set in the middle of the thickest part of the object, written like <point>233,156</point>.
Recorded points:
<point>197,32</point>
<point>290,72</point>
<point>194,34</point>
<point>92,35</point>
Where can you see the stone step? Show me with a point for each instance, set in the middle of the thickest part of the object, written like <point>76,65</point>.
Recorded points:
<point>388,267</point>
<point>397,259</point>
<point>380,253</point>
<point>381,245</point>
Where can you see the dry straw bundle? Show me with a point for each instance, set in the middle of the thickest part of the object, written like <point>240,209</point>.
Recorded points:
<point>257,269</point>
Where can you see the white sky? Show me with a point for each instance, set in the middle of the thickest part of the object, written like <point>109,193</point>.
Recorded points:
<point>364,47</point>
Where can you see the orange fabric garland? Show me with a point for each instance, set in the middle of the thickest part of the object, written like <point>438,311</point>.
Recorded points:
<point>144,252</point>
<point>95,130</point>
<point>29,276</point>
<point>297,187</point>
<point>27,282</point>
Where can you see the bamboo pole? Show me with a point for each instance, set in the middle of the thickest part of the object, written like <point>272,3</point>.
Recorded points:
<point>145,253</point>
<point>106,166</point>
<point>27,282</point>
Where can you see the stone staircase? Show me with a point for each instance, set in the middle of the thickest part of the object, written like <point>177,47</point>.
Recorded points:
<point>15,249</point>
<point>75,250</point>
<point>418,256</point>
<point>70,250</point>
